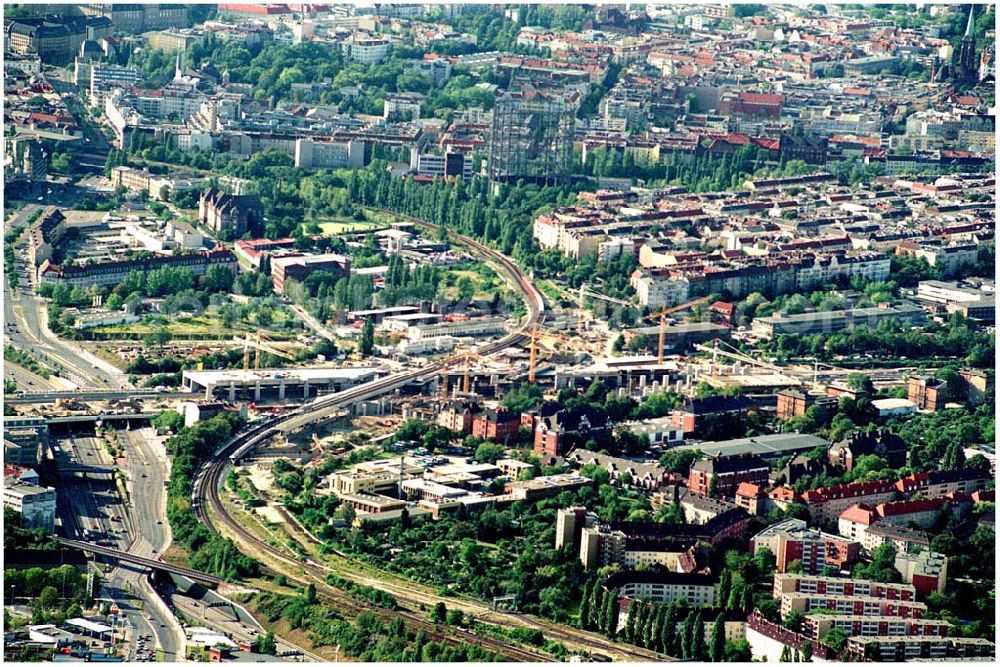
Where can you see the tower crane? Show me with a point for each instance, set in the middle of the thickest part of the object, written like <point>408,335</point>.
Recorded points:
<point>535,335</point>
<point>663,322</point>
<point>254,341</point>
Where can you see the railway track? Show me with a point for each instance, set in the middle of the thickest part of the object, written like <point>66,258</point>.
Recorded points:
<point>206,492</point>
<point>313,572</point>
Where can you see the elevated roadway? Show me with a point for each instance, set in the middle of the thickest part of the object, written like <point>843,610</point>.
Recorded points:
<point>92,395</point>
<point>110,552</point>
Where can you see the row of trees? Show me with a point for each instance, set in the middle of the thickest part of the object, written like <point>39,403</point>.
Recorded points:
<point>209,552</point>
<point>659,627</point>
<point>57,593</point>
<point>369,638</point>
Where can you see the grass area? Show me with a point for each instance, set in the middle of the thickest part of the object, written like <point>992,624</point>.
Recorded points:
<point>105,355</point>
<point>182,327</point>
<point>201,324</point>
<point>553,293</point>
<point>348,226</point>
<point>485,284</point>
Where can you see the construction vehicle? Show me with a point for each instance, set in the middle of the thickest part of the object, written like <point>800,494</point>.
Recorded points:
<point>663,322</point>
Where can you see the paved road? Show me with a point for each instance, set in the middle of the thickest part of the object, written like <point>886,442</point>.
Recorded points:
<point>24,379</point>
<point>26,330</point>
<point>148,471</point>
<point>86,508</point>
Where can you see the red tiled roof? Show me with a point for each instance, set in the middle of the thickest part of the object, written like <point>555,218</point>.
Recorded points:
<point>767,99</point>
<point>903,507</point>
<point>859,514</point>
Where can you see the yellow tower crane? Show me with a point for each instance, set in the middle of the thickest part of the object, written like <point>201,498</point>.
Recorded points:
<point>663,322</point>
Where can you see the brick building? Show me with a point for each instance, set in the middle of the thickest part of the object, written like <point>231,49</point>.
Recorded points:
<point>230,216</point>
<point>500,425</point>
<point>558,431</point>
<point>457,415</point>
<point>794,403</point>
<point>722,474</point>
<point>881,442</point>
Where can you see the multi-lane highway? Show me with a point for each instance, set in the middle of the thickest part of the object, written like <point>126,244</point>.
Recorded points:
<point>147,472</point>
<point>92,512</point>
<point>26,328</point>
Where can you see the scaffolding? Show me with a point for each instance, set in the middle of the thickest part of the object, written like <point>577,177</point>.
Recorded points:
<point>531,139</point>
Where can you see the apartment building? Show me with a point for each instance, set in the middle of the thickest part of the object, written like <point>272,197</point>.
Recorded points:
<point>926,570</point>
<point>828,502</point>
<point>791,540</point>
<point>948,257</point>
<point>35,504</point>
<point>570,523</point>
<point>321,153</point>
<point>856,597</point>
<point>441,166</point>
<point>634,544</point>
<point>366,50</point>
<point>698,590</point>
<point>720,475</point>
<point>402,107</point>
<point>817,625</point>
<point>902,649</point>
<point>113,273</point>
<point>942,482</point>
<point>669,286</point>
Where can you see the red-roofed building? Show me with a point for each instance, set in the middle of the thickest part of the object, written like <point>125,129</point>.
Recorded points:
<point>20,473</point>
<point>828,502</point>
<point>854,521</point>
<point>941,482</point>
<point>249,9</point>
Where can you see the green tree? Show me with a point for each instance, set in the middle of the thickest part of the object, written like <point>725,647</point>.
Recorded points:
<point>717,644</point>
<point>265,644</point>
<point>168,421</point>
<point>794,620</point>
<point>585,601</point>
<point>630,622</point>
<point>611,613</point>
<point>836,639</point>
<point>440,613</point>
<point>366,344</point>
<point>489,452</point>
<point>49,597</point>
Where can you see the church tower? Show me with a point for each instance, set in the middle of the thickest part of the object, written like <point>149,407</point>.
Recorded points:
<point>968,65</point>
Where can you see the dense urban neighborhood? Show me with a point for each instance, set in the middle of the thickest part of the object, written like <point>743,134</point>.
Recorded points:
<point>499,333</point>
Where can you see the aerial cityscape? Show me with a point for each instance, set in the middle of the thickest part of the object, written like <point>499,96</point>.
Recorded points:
<point>499,332</point>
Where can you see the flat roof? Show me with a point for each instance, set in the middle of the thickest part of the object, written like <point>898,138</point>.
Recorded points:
<point>773,445</point>
<point>275,374</point>
<point>90,626</point>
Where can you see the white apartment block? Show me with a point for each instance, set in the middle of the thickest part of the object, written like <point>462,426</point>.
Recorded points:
<point>312,153</point>
<point>35,504</point>
<point>367,51</point>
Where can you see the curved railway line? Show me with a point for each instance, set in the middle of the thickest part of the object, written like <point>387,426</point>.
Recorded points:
<point>207,484</point>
